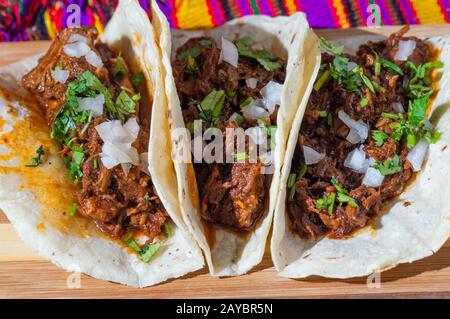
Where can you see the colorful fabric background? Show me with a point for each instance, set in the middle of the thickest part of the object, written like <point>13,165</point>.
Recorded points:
<point>22,20</point>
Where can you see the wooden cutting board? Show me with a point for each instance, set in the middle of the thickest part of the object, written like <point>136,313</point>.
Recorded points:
<point>24,274</point>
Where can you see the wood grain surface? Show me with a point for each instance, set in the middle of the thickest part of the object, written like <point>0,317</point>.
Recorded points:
<point>24,274</point>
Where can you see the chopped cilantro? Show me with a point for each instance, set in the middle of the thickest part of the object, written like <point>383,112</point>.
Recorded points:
<point>211,107</point>
<point>35,161</point>
<point>241,156</point>
<point>125,104</point>
<point>133,244</point>
<point>331,48</point>
<point>136,78</point>
<point>322,80</point>
<point>379,137</point>
<point>326,202</point>
<point>148,251</point>
<point>167,230</point>
<point>389,166</point>
<point>72,209</point>
<point>119,68</point>
<point>246,102</point>
<point>265,58</point>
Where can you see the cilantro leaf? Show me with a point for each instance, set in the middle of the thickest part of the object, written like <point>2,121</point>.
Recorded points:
<point>265,58</point>
<point>136,78</point>
<point>389,166</point>
<point>331,48</point>
<point>211,106</point>
<point>125,104</point>
<point>35,161</point>
<point>379,137</point>
<point>147,252</point>
<point>119,70</point>
<point>326,202</point>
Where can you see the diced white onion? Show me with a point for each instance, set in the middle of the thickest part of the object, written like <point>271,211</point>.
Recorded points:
<point>417,155</point>
<point>351,65</point>
<point>60,76</point>
<point>251,82</point>
<point>77,38</point>
<point>132,127</point>
<point>230,52</point>
<point>92,103</point>
<point>271,94</point>
<point>93,59</point>
<point>373,177</point>
<point>356,160</point>
<point>76,49</point>
<point>257,134</point>
<point>255,110</point>
<point>359,131</point>
<point>126,168</point>
<point>117,140</point>
<point>311,156</point>
<point>405,48</point>
<point>398,107</point>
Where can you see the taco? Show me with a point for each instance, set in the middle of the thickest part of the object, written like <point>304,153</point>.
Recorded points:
<point>362,186</point>
<point>86,175</point>
<point>248,75</point>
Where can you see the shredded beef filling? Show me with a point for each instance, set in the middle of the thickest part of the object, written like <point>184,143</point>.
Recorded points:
<point>116,201</point>
<point>312,208</point>
<point>231,194</point>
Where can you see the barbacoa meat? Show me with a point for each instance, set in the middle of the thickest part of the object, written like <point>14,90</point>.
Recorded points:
<point>117,202</point>
<point>231,194</point>
<point>323,130</point>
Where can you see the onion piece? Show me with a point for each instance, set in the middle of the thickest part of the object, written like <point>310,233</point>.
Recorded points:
<point>311,156</point>
<point>126,168</point>
<point>60,76</point>
<point>398,107</point>
<point>405,48</point>
<point>267,158</point>
<point>132,127</point>
<point>417,155</point>
<point>359,131</point>
<point>144,163</point>
<point>76,49</point>
<point>230,52</point>
<point>93,59</point>
<point>251,82</point>
<point>77,38</point>
<point>92,103</point>
<point>373,177</point>
<point>356,160</point>
<point>271,94</point>
<point>255,110</point>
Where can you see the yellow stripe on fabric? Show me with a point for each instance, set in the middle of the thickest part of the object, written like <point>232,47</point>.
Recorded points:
<point>341,13</point>
<point>49,25</point>
<point>192,14</point>
<point>428,12</point>
<point>290,6</point>
<point>98,24</point>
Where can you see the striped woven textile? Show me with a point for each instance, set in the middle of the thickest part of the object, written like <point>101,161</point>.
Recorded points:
<point>40,19</point>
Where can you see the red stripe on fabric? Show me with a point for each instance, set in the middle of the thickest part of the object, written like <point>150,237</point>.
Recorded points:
<point>334,14</point>
<point>444,10</point>
<point>238,8</point>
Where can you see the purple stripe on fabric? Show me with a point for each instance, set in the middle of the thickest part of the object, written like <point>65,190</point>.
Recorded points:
<point>319,15</point>
<point>408,12</point>
<point>245,6</point>
<point>216,11</point>
<point>165,7</point>
<point>385,14</point>
<point>263,7</point>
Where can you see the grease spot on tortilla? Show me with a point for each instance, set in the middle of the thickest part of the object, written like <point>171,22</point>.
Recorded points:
<point>49,184</point>
<point>41,227</point>
<point>406,203</point>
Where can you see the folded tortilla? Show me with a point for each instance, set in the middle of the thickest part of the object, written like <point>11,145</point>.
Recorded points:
<point>402,234</point>
<point>228,253</point>
<point>34,199</point>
